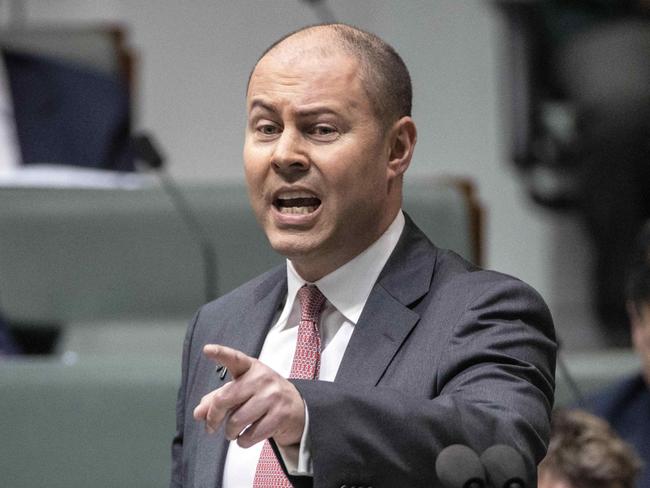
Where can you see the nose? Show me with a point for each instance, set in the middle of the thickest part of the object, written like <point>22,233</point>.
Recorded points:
<point>289,154</point>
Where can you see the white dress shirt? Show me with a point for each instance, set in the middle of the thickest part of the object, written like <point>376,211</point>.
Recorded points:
<point>9,149</point>
<point>346,290</point>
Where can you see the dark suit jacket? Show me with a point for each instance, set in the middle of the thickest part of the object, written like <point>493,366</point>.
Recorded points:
<point>443,353</point>
<point>626,406</point>
<point>67,114</point>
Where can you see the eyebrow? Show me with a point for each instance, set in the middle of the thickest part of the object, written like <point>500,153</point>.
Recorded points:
<point>319,110</point>
<point>301,112</point>
<point>257,103</point>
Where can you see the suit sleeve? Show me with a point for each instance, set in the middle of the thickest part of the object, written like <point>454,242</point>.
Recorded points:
<point>492,382</point>
<point>177,467</point>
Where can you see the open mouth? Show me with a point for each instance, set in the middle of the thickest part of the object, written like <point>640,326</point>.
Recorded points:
<point>296,204</point>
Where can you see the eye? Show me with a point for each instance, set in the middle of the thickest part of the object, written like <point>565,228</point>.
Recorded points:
<point>324,132</point>
<point>267,130</point>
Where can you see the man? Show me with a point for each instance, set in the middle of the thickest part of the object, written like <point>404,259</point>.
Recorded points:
<point>626,404</point>
<point>587,146</point>
<point>60,113</point>
<point>585,452</point>
<point>394,349</point>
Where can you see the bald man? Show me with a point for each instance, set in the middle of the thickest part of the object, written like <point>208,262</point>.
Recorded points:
<point>371,350</point>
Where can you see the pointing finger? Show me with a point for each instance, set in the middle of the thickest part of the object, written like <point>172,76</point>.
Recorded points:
<point>236,361</point>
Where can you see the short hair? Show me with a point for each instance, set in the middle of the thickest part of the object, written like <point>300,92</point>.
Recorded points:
<point>637,286</point>
<point>586,452</point>
<point>385,76</point>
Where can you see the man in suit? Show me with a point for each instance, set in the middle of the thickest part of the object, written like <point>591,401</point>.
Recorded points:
<point>626,403</point>
<point>371,350</point>
<point>66,114</point>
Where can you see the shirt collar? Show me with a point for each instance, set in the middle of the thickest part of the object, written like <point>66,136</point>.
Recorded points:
<point>348,287</point>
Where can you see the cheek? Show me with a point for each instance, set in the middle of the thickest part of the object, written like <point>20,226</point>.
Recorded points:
<point>645,339</point>
<point>255,186</point>
<point>254,169</point>
<point>360,168</point>
<point>253,153</point>
<point>641,339</point>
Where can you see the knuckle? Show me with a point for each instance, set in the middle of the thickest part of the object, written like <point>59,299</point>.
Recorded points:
<point>274,396</point>
<point>275,393</point>
<point>210,415</point>
<point>214,415</point>
<point>234,420</point>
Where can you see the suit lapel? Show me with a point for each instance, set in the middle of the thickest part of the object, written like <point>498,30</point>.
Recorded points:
<point>385,323</point>
<point>387,319</point>
<point>248,336</point>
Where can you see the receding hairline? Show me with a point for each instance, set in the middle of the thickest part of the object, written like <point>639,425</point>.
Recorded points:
<point>381,67</point>
<point>323,31</point>
<point>327,32</point>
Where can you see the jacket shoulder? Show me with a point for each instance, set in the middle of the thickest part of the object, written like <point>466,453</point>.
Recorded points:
<point>245,294</point>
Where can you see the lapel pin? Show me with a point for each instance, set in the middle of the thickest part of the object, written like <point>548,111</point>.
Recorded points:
<point>221,370</point>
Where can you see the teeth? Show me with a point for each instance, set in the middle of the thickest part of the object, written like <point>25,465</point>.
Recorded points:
<point>297,210</point>
<point>295,194</point>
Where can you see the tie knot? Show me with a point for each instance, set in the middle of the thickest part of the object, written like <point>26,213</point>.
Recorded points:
<point>311,302</point>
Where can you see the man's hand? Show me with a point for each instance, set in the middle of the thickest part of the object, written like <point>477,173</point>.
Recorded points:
<point>257,399</point>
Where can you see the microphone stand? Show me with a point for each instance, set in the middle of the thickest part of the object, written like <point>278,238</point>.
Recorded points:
<point>571,382</point>
<point>323,12</point>
<point>144,150</point>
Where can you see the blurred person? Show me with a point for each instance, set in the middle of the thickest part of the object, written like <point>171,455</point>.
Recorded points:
<point>584,452</point>
<point>57,112</point>
<point>588,143</point>
<point>626,404</point>
<point>370,350</point>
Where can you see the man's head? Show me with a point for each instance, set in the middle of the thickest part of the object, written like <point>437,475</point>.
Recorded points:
<point>638,298</point>
<point>584,452</point>
<point>328,140</point>
<point>385,77</point>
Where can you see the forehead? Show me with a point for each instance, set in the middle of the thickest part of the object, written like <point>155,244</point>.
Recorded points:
<point>303,75</point>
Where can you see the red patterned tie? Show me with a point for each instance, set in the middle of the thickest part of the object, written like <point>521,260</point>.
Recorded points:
<point>306,366</point>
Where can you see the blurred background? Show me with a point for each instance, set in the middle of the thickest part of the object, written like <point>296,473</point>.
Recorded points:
<point>192,61</point>
<point>508,108</point>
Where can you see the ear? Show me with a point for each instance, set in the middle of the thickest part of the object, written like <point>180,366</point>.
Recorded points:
<point>632,312</point>
<point>402,137</point>
<point>636,323</point>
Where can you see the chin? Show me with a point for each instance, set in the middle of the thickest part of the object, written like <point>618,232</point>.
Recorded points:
<point>290,245</point>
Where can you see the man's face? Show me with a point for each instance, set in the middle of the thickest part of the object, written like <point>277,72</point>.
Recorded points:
<point>641,335</point>
<point>549,480</point>
<point>315,159</point>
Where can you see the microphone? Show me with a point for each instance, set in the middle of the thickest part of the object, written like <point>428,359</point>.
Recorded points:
<point>144,150</point>
<point>458,466</point>
<point>504,466</point>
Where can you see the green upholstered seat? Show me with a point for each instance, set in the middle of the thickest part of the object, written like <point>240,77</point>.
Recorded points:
<point>92,255</point>
<point>100,422</point>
